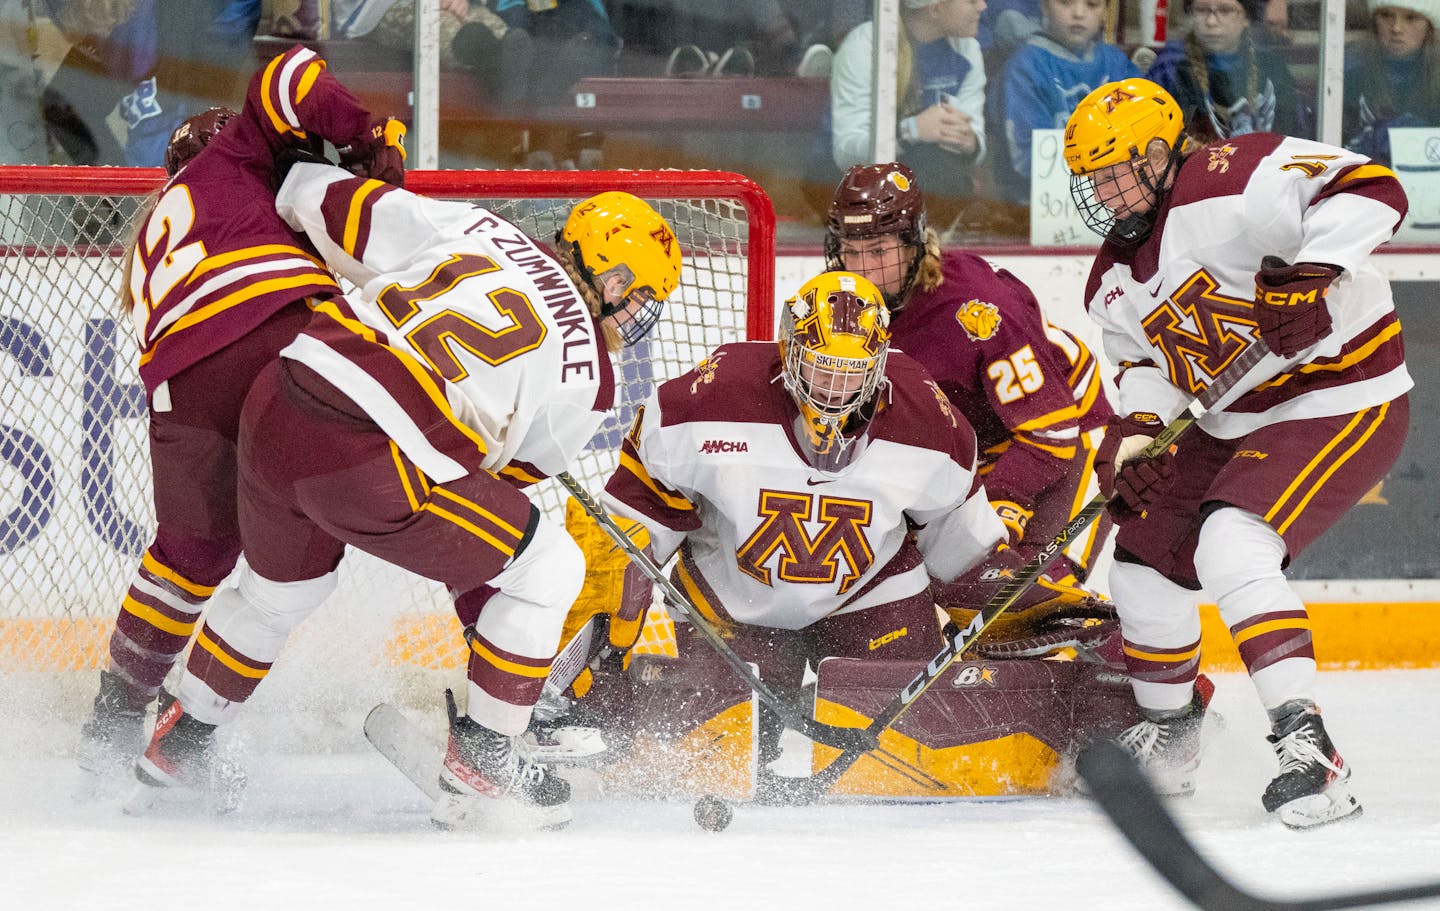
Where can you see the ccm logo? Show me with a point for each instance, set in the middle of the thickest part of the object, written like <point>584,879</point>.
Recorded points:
<point>1291,299</point>
<point>889,637</point>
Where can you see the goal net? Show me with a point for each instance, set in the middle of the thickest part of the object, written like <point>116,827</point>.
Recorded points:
<point>75,511</point>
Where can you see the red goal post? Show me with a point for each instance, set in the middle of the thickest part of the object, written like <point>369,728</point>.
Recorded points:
<point>75,509</point>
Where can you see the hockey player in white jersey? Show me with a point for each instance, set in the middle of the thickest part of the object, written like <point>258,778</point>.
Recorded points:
<point>789,481</point>
<point>472,363</point>
<point>1257,240</point>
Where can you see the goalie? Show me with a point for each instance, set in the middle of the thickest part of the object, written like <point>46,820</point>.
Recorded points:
<point>809,492</point>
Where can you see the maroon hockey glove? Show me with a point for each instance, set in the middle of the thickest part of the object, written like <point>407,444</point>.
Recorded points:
<point>378,154</point>
<point>1290,306</point>
<point>1131,481</point>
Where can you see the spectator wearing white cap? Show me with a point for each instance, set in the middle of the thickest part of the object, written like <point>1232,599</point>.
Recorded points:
<point>1392,75</point>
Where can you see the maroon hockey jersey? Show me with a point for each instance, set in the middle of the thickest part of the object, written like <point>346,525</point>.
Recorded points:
<point>190,297</point>
<point>1028,388</point>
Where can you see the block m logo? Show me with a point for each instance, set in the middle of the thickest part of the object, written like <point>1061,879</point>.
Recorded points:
<point>804,559</point>
<point>1200,332</point>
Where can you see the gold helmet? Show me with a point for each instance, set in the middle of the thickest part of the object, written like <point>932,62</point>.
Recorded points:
<point>834,338</point>
<point>1115,125</point>
<point>1117,122</point>
<point>616,230</point>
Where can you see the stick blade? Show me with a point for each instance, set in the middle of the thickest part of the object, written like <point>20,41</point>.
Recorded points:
<point>1123,792</point>
<point>409,749</point>
<point>1120,787</point>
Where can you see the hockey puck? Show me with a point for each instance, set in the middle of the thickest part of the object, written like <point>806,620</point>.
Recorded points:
<point>713,814</point>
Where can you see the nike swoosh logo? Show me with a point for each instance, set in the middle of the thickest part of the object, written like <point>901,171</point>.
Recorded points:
<point>811,482</point>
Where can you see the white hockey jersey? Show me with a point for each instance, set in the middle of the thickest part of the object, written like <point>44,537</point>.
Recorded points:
<point>711,469</point>
<point>469,294</point>
<point>1178,308</point>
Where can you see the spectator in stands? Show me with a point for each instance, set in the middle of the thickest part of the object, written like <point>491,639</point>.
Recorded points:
<point>1005,26</point>
<point>1392,75</point>
<point>1047,77</point>
<point>541,55</point>
<point>22,133</point>
<point>201,58</point>
<point>391,23</point>
<point>105,60</point>
<point>1228,74</point>
<point>941,97</point>
<point>160,61</point>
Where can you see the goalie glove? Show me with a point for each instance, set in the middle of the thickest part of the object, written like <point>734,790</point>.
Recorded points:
<point>1132,482</point>
<point>1290,309</point>
<point>379,153</point>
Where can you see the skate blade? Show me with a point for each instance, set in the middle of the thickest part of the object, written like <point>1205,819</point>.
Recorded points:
<point>468,813</point>
<point>1334,804</point>
<point>152,796</point>
<point>583,747</point>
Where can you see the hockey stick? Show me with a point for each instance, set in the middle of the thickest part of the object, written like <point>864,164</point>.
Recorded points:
<point>841,738</point>
<point>1124,793</point>
<point>957,640</point>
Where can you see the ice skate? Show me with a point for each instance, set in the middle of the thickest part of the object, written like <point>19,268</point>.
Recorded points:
<point>180,767</point>
<point>1313,787</point>
<point>1168,748</point>
<point>486,782</point>
<point>562,733</point>
<point>114,734</point>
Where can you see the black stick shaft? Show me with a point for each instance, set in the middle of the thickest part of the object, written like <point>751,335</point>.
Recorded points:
<point>841,738</point>
<point>959,640</point>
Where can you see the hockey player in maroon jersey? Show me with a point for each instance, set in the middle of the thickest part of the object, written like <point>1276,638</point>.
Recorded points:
<point>216,284</point>
<point>1031,390</point>
<point>789,480</point>
<point>1257,240</point>
<point>403,421</point>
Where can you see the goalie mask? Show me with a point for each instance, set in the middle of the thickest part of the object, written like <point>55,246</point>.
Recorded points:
<point>1116,178</point>
<point>834,337</point>
<point>193,134</point>
<point>617,233</point>
<point>876,227</point>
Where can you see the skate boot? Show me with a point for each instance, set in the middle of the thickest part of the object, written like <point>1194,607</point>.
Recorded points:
<point>180,767</point>
<point>485,782</point>
<point>114,734</point>
<point>1313,787</point>
<point>1168,747</point>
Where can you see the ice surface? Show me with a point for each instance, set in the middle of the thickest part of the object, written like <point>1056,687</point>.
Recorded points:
<point>341,829</point>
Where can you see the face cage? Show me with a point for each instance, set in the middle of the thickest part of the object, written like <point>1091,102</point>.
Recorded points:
<point>824,420</point>
<point>835,262</point>
<point>1133,228</point>
<point>635,325</point>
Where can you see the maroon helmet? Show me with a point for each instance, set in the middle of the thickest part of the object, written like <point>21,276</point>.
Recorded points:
<point>193,134</point>
<point>872,200</point>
